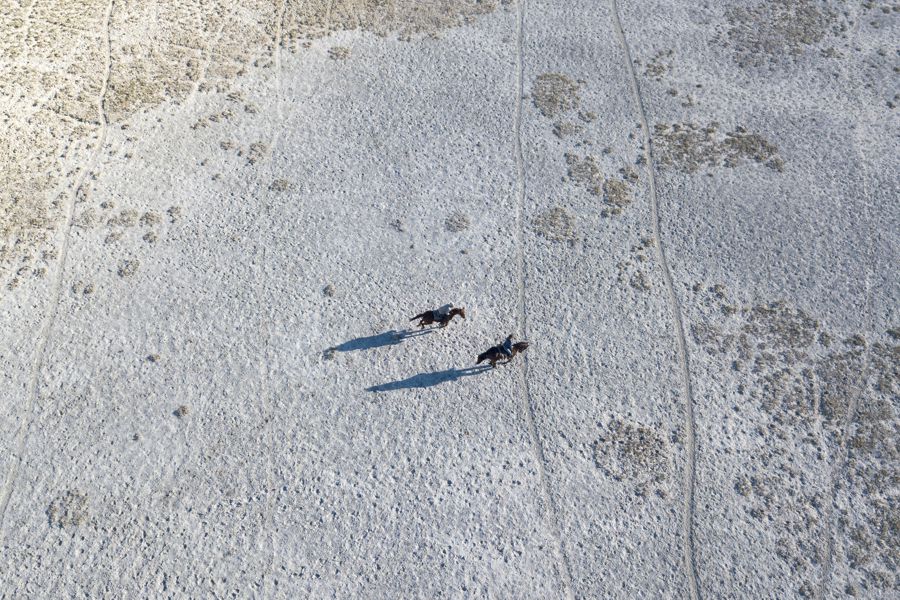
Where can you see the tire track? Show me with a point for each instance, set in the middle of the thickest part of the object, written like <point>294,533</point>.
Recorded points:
<point>690,563</point>
<point>50,318</point>
<point>563,566</point>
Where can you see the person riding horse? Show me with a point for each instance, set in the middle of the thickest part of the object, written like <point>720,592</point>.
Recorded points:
<point>505,350</point>
<point>442,316</point>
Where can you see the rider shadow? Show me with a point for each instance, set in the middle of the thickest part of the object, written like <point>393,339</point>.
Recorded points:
<point>387,338</point>
<point>425,380</point>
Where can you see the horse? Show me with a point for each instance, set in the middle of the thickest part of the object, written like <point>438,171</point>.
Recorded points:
<point>497,353</point>
<point>440,317</point>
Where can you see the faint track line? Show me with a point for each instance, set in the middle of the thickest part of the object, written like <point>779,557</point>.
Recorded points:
<point>266,333</point>
<point>185,47</point>
<point>72,28</point>
<point>43,338</point>
<point>328,17</point>
<point>565,569</point>
<point>840,468</point>
<point>690,563</point>
<point>211,52</point>
<point>27,32</point>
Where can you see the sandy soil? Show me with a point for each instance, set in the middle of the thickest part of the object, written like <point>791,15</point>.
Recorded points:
<point>217,217</point>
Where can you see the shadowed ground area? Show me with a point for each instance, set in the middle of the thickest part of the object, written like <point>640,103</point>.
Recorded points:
<point>423,380</point>
<point>388,338</point>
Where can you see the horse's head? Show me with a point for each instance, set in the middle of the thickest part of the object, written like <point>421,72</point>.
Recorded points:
<point>458,311</point>
<point>520,347</point>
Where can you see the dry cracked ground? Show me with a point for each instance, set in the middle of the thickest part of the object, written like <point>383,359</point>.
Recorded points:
<point>216,218</point>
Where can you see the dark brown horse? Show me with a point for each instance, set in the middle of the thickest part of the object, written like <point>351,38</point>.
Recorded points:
<point>442,318</point>
<point>498,352</point>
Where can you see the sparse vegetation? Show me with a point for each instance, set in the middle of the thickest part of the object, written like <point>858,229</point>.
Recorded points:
<point>457,222</point>
<point>585,172</point>
<point>631,270</point>
<point>777,31</point>
<point>616,193</point>
<point>556,225</point>
<point>807,385</point>
<point>149,219</point>
<point>175,68</point>
<point>636,454</point>
<point>127,268</point>
<point>689,147</point>
<point>659,65</point>
<point>407,19</point>
<point>174,213</point>
<point>339,53</point>
<point>256,152</point>
<point>563,129</point>
<point>69,509</point>
<point>554,93</point>
<point>81,288</point>
<point>281,185</point>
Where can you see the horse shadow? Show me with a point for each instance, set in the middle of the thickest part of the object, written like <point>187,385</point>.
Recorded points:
<point>426,380</point>
<point>386,338</point>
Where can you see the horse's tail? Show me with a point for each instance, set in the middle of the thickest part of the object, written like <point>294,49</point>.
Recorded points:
<point>422,316</point>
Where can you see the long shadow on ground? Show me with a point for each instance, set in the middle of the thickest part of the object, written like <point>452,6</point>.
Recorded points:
<point>424,380</point>
<point>387,338</point>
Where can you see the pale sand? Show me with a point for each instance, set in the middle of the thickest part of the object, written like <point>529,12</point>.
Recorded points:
<point>214,214</point>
